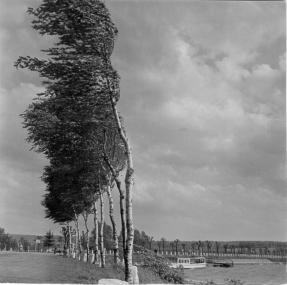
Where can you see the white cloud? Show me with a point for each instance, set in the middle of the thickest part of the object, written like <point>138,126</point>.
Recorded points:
<point>263,71</point>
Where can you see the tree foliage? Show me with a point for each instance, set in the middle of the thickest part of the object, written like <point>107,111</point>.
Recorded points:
<point>74,121</point>
<point>71,120</point>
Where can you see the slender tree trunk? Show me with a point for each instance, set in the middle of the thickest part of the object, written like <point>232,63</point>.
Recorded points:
<point>129,218</point>
<point>129,181</point>
<point>123,220</point>
<point>122,199</point>
<point>86,216</point>
<point>102,231</point>
<point>77,246</point>
<point>96,232</point>
<point>69,240</point>
<point>115,235</point>
<point>78,243</point>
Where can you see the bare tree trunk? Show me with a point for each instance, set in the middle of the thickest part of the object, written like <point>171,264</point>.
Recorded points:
<point>77,245</point>
<point>69,240</point>
<point>86,216</point>
<point>96,232</point>
<point>122,198</point>
<point>102,232</point>
<point>123,220</point>
<point>129,218</point>
<point>129,181</point>
<point>115,235</point>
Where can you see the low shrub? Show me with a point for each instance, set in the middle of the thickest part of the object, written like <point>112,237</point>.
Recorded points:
<point>159,266</point>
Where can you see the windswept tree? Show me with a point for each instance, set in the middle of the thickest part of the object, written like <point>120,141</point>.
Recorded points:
<point>81,95</point>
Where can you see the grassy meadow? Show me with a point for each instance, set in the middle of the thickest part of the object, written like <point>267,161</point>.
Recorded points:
<point>25,267</point>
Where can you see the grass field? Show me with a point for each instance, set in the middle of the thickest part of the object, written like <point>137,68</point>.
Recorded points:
<point>47,268</point>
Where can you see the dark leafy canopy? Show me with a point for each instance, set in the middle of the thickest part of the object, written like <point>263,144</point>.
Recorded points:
<point>80,25</point>
<point>69,192</point>
<point>72,119</point>
<point>77,96</point>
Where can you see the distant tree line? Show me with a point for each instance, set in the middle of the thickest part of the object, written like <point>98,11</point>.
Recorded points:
<point>210,247</point>
<point>213,247</point>
<point>21,243</point>
<point>7,242</point>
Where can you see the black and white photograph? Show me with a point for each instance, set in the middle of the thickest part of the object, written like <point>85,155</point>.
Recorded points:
<point>143,142</point>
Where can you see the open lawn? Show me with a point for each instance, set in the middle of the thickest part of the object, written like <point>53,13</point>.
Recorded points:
<point>47,268</point>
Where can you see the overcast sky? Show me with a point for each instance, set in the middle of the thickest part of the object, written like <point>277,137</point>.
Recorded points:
<point>203,98</point>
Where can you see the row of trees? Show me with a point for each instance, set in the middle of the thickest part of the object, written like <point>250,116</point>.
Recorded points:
<point>218,247</point>
<point>207,247</point>
<point>76,124</point>
<point>70,239</point>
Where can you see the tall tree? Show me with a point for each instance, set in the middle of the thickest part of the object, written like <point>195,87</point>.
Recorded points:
<point>82,91</point>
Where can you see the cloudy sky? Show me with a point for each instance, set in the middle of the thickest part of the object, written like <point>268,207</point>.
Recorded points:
<point>203,98</point>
